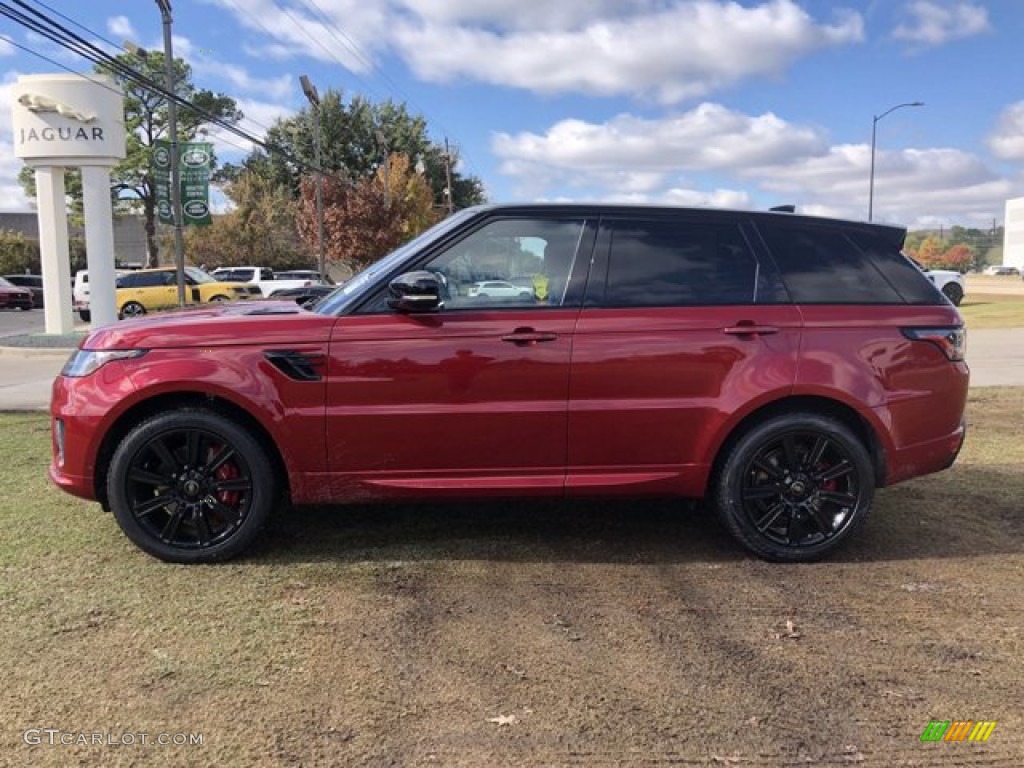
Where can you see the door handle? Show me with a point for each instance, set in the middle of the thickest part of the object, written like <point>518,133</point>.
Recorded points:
<point>527,337</point>
<point>743,328</point>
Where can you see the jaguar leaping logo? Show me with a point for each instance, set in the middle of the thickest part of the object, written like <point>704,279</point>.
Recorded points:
<point>35,103</point>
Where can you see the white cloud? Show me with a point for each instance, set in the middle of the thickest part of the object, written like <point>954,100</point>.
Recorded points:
<point>122,27</point>
<point>714,156</point>
<point>932,22</point>
<point>673,52</point>
<point>259,115</point>
<point>1007,140</point>
<point>668,50</point>
<point>273,88</point>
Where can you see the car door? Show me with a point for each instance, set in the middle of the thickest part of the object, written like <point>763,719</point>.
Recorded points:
<point>470,398</point>
<point>682,326</point>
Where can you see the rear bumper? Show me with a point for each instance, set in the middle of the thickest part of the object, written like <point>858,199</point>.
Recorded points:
<point>925,458</point>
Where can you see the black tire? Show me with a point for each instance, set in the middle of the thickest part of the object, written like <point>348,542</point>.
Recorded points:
<point>132,309</point>
<point>954,293</point>
<point>191,486</point>
<point>219,298</point>
<point>85,314</point>
<point>795,487</point>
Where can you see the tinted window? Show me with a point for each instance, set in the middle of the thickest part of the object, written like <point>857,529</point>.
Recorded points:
<point>142,280</point>
<point>672,263</point>
<point>823,266</point>
<point>900,271</point>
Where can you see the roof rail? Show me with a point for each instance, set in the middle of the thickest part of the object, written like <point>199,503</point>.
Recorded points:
<point>790,208</point>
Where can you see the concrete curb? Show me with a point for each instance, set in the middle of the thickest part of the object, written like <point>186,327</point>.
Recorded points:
<point>35,353</point>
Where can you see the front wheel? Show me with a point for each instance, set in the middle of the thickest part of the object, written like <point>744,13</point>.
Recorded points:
<point>85,314</point>
<point>794,487</point>
<point>191,486</point>
<point>954,293</point>
<point>219,298</point>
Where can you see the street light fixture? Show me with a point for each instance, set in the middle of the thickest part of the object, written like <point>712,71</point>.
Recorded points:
<point>314,101</point>
<point>874,133</point>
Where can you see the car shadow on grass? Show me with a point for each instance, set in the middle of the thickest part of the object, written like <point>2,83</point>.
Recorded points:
<point>965,512</point>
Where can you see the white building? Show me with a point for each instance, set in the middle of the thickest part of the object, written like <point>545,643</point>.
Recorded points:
<point>1013,235</point>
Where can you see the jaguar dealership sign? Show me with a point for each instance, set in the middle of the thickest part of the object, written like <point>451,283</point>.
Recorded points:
<point>71,121</point>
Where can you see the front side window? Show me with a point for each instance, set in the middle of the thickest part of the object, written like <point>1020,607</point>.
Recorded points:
<point>511,262</point>
<point>678,263</point>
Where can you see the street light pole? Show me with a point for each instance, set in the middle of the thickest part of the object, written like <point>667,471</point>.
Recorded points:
<point>172,129</point>
<point>314,101</point>
<point>874,134</point>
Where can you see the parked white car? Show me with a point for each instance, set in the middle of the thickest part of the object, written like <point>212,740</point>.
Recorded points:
<point>997,269</point>
<point>265,279</point>
<point>498,289</point>
<point>80,293</point>
<point>951,283</point>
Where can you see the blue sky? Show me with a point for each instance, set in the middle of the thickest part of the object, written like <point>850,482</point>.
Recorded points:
<point>695,102</point>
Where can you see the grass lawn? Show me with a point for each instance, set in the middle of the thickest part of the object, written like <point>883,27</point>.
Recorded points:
<point>368,637</point>
<point>993,311</point>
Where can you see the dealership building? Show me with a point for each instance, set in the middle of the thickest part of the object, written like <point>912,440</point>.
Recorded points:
<point>1013,234</point>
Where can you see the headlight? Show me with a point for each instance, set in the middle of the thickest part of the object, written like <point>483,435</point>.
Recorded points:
<point>85,361</point>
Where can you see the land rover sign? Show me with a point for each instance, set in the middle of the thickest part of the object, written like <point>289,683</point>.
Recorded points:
<point>195,181</point>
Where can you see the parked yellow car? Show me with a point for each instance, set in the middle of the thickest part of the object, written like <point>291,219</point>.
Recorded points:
<point>147,290</point>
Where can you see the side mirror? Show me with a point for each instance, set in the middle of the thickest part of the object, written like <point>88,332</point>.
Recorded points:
<point>415,292</point>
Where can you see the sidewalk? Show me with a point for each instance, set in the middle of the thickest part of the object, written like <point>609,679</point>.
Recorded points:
<point>996,357</point>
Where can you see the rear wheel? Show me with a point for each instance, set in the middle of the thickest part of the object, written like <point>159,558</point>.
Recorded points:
<point>190,486</point>
<point>132,309</point>
<point>219,298</point>
<point>793,488</point>
<point>954,293</point>
<point>85,314</point>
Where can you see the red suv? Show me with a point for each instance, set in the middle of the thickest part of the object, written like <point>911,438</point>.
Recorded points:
<point>782,366</point>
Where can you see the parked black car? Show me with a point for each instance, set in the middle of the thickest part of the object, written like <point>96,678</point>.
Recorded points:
<point>33,282</point>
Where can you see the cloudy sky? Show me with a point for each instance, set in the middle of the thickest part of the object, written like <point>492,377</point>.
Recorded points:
<point>737,103</point>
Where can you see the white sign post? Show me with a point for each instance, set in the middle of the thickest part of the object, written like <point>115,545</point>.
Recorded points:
<point>67,121</point>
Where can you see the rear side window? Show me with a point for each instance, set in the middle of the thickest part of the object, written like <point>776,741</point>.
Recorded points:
<point>678,263</point>
<point>900,271</point>
<point>823,266</point>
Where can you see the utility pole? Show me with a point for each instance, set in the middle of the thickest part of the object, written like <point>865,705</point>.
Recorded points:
<point>314,100</point>
<point>448,177</point>
<point>382,145</point>
<point>172,128</point>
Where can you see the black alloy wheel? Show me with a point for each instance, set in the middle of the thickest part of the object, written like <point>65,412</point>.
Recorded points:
<point>190,486</point>
<point>132,309</point>
<point>794,487</point>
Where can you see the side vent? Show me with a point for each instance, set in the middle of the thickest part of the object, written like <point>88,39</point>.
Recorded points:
<point>300,366</point>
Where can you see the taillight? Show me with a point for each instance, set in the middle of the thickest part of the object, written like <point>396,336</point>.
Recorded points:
<point>952,341</point>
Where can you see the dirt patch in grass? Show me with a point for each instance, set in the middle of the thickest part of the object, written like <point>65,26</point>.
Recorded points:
<point>522,633</point>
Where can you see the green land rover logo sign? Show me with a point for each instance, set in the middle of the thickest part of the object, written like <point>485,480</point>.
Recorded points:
<point>196,209</point>
<point>195,158</point>
<point>162,157</point>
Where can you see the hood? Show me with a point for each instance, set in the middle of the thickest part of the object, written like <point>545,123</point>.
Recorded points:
<point>215,325</point>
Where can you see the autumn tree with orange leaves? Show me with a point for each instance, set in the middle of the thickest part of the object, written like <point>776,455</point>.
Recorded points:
<point>367,218</point>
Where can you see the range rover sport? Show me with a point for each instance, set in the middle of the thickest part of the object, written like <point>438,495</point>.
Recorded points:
<point>781,366</point>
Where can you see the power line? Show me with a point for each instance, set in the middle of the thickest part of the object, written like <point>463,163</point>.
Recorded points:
<point>112,44</point>
<point>68,40</point>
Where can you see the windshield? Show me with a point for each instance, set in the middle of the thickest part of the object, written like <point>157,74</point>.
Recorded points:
<point>6,282</point>
<point>198,275</point>
<point>345,295</point>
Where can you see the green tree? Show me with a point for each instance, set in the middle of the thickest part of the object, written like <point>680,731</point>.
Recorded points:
<point>355,139</point>
<point>145,112</point>
<point>260,230</point>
